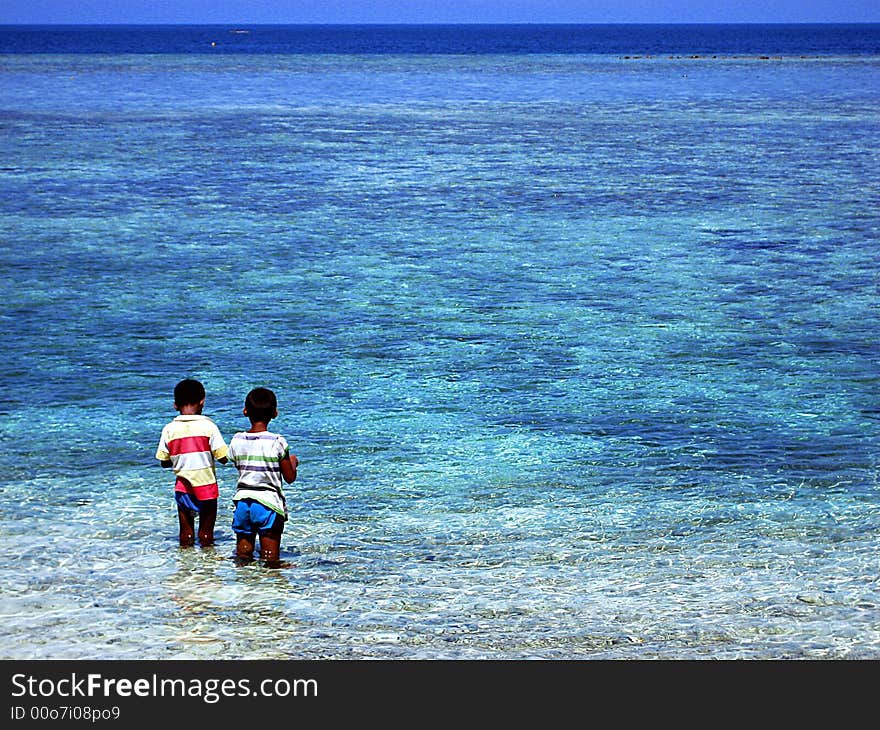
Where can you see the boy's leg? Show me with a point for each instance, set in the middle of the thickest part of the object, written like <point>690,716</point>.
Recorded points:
<point>244,546</point>
<point>245,539</point>
<point>187,527</point>
<point>207,518</point>
<point>270,547</point>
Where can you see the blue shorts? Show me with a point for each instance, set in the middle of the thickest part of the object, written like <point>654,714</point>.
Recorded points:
<point>251,517</point>
<point>190,504</point>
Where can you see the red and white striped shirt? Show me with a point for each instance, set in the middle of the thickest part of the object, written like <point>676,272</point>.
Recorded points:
<point>192,443</point>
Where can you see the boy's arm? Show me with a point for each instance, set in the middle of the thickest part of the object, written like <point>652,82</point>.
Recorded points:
<point>162,453</point>
<point>229,456</point>
<point>288,464</point>
<point>218,447</point>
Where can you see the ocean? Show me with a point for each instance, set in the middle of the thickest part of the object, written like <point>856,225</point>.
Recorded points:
<point>574,331</point>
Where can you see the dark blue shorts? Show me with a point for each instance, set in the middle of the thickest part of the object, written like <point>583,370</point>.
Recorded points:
<point>251,518</point>
<point>190,504</point>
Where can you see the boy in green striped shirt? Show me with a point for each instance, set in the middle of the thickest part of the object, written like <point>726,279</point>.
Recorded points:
<point>263,460</point>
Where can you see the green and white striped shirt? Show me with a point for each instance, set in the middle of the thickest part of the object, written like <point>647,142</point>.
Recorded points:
<point>257,457</point>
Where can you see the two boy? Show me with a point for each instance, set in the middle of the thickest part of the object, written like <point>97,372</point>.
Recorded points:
<point>192,443</point>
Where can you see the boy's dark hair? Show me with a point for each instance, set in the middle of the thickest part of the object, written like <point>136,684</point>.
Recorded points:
<point>261,405</point>
<point>188,392</point>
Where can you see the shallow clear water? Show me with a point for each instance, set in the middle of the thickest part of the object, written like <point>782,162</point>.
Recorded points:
<point>579,353</point>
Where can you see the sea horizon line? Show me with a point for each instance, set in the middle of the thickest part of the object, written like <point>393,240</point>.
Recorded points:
<point>244,24</point>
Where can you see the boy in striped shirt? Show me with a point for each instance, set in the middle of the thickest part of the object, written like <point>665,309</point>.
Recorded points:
<point>263,459</point>
<point>189,445</point>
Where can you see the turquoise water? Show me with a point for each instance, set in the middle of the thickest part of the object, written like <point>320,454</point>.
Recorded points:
<point>579,353</point>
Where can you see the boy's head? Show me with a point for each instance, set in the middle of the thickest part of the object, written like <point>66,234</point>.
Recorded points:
<point>260,406</point>
<point>188,392</point>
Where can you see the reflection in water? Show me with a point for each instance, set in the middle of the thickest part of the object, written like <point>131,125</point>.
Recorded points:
<point>228,609</point>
